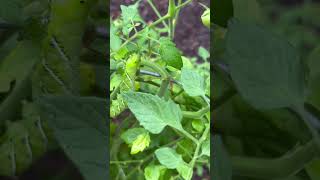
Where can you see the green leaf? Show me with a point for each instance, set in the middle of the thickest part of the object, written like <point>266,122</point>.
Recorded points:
<point>154,113</point>
<point>130,13</point>
<point>186,62</point>
<point>203,53</point>
<point>117,106</point>
<point>131,134</point>
<point>247,10</point>
<point>185,170</point>
<point>153,172</point>
<point>121,53</point>
<point>140,143</point>
<point>198,125</point>
<point>115,80</point>
<point>266,70</point>
<point>169,53</point>
<point>313,169</point>
<point>205,148</point>
<point>79,125</point>
<point>222,169</point>
<point>115,41</point>
<point>192,82</point>
<point>11,11</point>
<point>169,158</point>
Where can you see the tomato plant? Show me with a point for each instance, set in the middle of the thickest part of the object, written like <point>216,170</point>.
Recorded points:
<point>160,99</point>
<point>266,91</point>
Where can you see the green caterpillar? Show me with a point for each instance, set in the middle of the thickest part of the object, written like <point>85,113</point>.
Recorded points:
<point>57,73</point>
<point>128,83</point>
<point>59,70</point>
<point>23,141</point>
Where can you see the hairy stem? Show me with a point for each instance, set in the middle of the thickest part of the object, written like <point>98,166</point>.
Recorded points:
<point>197,151</point>
<point>197,114</point>
<point>281,167</point>
<point>157,12</point>
<point>163,18</point>
<point>308,119</point>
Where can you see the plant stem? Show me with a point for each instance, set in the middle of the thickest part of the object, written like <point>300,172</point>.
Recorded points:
<point>183,4</point>
<point>206,99</point>
<point>163,18</point>
<point>176,18</point>
<point>171,29</point>
<point>281,167</point>
<point>307,118</point>
<point>157,12</point>
<point>149,82</point>
<point>126,162</point>
<point>163,87</point>
<point>188,135</point>
<point>197,114</point>
<point>196,153</point>
<point>116,145</point>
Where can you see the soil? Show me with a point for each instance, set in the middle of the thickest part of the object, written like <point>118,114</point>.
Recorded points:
<point>190,33</point>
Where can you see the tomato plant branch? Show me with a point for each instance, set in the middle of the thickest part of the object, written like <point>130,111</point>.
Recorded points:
<point>281,167</point>
<point>200,141</point>
<point>183,4</point>
<point>306,117</point>
<point>188,135</point>
<point>176,18</point>
<point>149,82</point>
<point>196,114</point>
<point>157,12</point>
<point>126,162</point>
<point>163,18</point>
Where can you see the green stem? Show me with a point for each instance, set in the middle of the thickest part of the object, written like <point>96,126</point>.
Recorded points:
<point>281,167</point>
<point>197,114</point>
<point>306,117</point>
<point>183,4</point>
<point>126,162</point>
<point>197,151</point>
<point>157,12</point>
<point>176,18</point>
<point>163,87</point>
<point>170,27</point>
<point>206,99</point>
<point>188,135</point>
<point>163,18</point>
<point>118,142</point>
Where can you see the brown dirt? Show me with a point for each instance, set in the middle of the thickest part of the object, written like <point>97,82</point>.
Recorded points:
<point>190,33</point>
